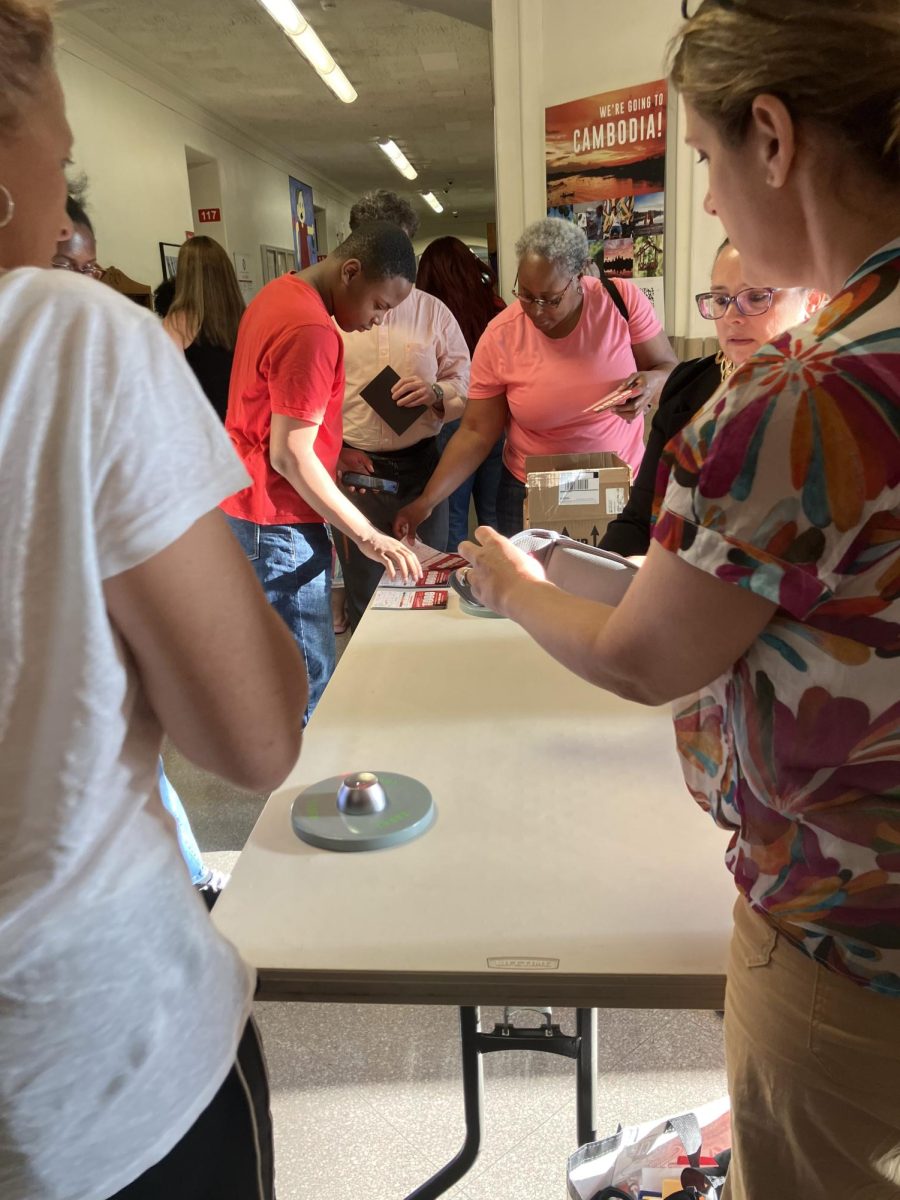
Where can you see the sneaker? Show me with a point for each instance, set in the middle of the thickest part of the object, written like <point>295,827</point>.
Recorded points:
<point>212,887</point>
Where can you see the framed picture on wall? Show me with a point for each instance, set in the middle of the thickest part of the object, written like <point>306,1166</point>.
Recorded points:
<point>168,256</point>
<point>303,220</point>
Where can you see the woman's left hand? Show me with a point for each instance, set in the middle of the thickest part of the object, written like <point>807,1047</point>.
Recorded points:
<point>628,399</point>
<point>638,398</point>
<point>647,386</point>
<point>497,568</point>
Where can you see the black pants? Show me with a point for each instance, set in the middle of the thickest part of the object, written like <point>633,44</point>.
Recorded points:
<point>412,468</point>
<point>227,1152</point>
<point>510,503</point>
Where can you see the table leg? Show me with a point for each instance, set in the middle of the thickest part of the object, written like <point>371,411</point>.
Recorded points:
<point>473,1099</point>
<point>586,1101</point>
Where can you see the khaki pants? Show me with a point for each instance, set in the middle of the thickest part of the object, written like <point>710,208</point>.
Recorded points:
<point>814,1076</point>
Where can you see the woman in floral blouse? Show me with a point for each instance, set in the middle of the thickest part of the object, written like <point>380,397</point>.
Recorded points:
<point>777,549</point>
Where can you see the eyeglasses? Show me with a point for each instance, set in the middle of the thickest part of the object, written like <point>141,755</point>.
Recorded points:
<point>751,302</point>
<point>550,302</point>
<point>66,264</point>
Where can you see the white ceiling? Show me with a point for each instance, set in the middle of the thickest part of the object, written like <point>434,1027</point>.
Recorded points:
<point>422,71</point>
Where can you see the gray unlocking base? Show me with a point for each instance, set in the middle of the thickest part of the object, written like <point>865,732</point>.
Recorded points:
<point>362,811</point>
<point>478,610</point>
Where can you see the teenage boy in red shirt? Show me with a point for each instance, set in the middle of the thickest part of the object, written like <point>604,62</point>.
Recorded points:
<point>284,418</point>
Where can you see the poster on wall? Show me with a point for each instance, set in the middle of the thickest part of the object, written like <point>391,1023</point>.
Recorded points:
<point>606,168</point>
<point>244,273</point>
<point>303,219</point>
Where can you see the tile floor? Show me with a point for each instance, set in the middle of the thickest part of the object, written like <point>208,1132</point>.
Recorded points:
<point>367,1099</point>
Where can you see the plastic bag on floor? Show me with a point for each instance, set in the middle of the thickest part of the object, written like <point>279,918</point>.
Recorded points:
<point>621,1160</point>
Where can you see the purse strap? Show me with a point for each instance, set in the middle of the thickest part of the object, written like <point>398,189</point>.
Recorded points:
<point>614,294</point>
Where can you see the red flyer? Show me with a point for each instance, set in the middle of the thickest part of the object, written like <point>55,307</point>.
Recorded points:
<point>389,597</point>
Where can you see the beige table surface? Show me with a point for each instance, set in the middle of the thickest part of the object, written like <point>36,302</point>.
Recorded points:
<point>568,865</point>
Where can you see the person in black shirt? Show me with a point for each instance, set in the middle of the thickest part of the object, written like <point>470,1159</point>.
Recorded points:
<point>204,315</point>
<point>747,316</point>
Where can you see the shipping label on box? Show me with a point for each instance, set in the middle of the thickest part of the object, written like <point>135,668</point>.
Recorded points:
<point>575,494</point>
<point>579,487</point>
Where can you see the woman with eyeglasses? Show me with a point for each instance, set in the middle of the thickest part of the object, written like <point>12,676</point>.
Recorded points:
<point>769,603</point>
<point>571,366</point>
<point>79,251</point>
<point>746,318</point>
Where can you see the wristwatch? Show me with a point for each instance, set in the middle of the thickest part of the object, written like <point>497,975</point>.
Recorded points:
<point>438,393</point>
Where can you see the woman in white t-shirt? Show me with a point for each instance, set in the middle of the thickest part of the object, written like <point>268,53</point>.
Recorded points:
<point>127,610</point>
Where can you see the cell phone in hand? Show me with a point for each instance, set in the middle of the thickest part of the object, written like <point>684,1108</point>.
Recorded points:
<point>371,483</point>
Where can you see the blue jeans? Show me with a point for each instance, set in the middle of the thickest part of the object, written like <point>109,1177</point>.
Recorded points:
<point>510,504</point>
<point>482,487</point>
<point>293,564</point>
<point>190,851</point>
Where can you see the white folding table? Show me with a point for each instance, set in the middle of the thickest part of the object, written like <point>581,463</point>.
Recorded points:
<point>567,866</point>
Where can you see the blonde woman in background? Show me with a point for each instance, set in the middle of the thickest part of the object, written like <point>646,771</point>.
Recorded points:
<point>204,315</point>
<point>776,560</point>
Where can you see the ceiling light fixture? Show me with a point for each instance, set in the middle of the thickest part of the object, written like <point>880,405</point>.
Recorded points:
<point>399,159</point>
<point>431,198</point>
<point>286,14</point>
<point>340,85</point>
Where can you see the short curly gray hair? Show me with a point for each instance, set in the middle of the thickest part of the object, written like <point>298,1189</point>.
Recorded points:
<point>560,242</point>
<point>382,205</point>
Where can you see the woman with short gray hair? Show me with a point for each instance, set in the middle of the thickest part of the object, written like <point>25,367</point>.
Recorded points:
<point>560,242</point>
<point>567,368</point>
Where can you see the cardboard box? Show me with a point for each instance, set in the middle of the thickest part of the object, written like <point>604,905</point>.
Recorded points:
<point>575,494</point>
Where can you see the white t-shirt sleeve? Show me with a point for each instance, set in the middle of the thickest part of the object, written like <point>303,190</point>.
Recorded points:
<point>164,459</point>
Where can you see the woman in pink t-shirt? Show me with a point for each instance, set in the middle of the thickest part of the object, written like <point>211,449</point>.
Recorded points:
<point>542,364</point>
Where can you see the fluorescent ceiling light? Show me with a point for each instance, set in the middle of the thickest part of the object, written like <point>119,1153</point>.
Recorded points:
<point>286,14</point>
<point>311,47</point>
<point>399,159</point>
<point>431,198</point>
<point>340,85</point>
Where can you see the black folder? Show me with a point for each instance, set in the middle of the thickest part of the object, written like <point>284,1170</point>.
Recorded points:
<point>377,394</point>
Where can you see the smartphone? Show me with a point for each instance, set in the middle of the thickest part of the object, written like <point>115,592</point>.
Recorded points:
<point>372,483</point>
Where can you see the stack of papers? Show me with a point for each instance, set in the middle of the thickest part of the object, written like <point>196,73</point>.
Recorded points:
<point>427,592</point>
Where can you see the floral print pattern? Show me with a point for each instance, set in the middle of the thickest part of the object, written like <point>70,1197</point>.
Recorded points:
<point>788,483</point>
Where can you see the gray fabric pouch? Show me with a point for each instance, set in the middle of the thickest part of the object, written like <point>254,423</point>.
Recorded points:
<point>582,570</point>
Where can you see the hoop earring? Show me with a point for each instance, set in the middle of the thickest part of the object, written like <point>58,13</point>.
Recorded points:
<point>725,365</point>
<point>10,206</point>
